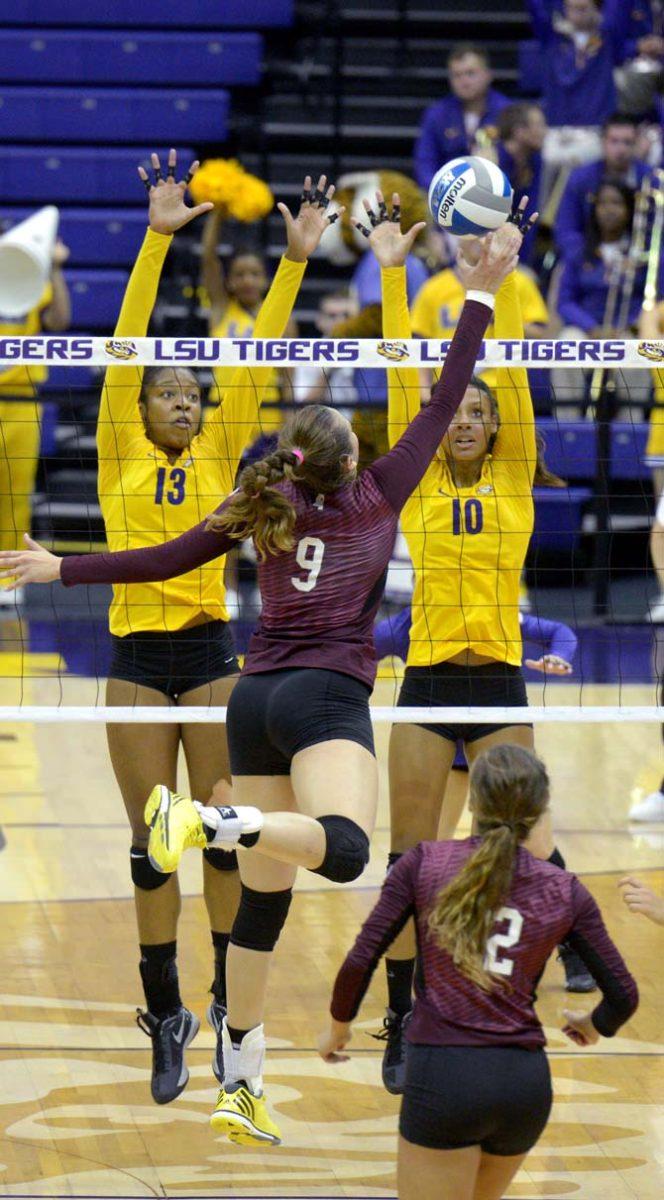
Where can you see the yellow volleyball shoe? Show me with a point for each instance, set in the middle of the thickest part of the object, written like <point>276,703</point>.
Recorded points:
<point>175,826</point>
<point>244,1118</point>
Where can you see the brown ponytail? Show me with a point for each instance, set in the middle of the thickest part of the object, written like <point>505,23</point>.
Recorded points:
<point>314,449</point>
<point>509,791</point>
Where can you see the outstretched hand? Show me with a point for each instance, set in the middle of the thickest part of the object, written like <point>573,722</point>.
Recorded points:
<point>496,261</point>
<point>34,565</point>
<point>388,243</point>
<point>550,664</point>
<point>306,229</point>
<point>168,210</point>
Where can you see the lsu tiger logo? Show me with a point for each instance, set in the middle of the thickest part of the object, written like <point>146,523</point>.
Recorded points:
<point>652,350</point>
<point>121,349</point>
<point>395,351</point>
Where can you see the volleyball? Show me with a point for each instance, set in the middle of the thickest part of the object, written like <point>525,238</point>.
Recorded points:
<point>470,197</point>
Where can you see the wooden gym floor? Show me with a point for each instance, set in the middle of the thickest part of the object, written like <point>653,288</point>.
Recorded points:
<point>76,1118</point>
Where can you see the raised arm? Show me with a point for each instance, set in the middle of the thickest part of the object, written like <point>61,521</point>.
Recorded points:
<point>167,212</point>
<point>399,472</point>
<point>515,442</point>
<point>234,423</point>
<point>212,274</point>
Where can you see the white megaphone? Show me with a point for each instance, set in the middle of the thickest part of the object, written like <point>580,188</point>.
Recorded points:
<point>25,261</point>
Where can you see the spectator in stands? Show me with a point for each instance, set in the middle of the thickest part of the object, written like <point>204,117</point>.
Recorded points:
<point>580,45</point>
<point>618,161</point>
<point>235,297</point>
<point>20,411</point>
<point>463,121</point>
<point>521,133</point>
<point>333,385</point>
<point>591,280</point>
<point>638,79</point>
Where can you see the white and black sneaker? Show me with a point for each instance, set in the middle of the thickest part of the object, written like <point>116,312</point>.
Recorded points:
<point>215,1018</point>
<point>394,1056</point>
<point>170,1037</point>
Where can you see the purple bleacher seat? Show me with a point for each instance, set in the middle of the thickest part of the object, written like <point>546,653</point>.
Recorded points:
<point>628,450</point>
<point>51,175</point>
<point>570,447</point>
<point>96,297</point>
<point>95,237</point>
<point>112,114</point>
<point>558,519</point>
<point>162,59</point>
<point>71,380</point>
<point>143,14</point>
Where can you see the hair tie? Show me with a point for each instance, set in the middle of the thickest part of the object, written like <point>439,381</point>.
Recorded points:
<point>298,454</point>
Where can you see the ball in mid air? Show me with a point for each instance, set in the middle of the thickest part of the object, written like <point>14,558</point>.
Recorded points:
<point>470,196</point>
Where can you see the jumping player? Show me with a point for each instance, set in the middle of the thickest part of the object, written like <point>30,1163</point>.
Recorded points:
<point>300,734</point>
<point>478,1087</point>
<point>160,470</point>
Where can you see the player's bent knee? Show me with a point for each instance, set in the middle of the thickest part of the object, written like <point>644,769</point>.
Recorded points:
<point>221,860</point>
<point>260,918</point>
<point>346,850</point>
<point>143,874</point>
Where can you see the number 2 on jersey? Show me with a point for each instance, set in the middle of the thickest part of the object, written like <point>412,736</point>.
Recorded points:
<point>309,556</point>
<point>503,941</point>
<point>470,519</point>
<point>176,480</point>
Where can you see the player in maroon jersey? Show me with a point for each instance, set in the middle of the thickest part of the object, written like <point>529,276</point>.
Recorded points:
<point>488,915</point>
<point>300,736</point>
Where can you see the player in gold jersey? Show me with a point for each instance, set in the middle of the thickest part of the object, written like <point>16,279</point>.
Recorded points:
<point>161,470</point>
<point>467,527</point>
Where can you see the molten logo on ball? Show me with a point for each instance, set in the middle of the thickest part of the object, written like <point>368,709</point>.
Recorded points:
<point>470,196</point>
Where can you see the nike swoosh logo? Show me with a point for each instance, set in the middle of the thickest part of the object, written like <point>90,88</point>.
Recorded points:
<point>180,1034</point>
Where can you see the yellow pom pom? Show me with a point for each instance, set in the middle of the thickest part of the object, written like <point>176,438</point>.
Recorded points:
<point>225,182</point>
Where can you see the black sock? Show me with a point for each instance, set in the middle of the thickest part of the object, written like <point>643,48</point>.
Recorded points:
<point>220,942</point>
<point>400,973</point>
<point>236,1035</point>
<point>159,973</point>
<point>557,859</point>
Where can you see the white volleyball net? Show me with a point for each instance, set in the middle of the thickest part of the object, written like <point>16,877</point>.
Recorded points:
<point>588,595</point>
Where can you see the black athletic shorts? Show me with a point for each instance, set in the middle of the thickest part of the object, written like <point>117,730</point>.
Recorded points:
<point>451,685</point>
<point>496,1097</point>
<point>275,714</point>
<point>176,662</point>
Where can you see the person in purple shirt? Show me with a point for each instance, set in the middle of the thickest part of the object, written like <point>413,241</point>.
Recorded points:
<point>521,134</point>
<point>488,914</point>
<point>589,281</point>
<point>305,780</point>
<point>580,47</point>
<point>449,128</point>
<point>618,161</point>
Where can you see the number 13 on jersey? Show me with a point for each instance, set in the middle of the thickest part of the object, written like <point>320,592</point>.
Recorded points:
<point>309,556</point>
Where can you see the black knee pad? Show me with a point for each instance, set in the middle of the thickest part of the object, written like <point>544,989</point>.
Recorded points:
<point>392,858</point>
<point>347,849</point>
<point>143,874</point>
<point>260,918</point>
<point>221,860</point>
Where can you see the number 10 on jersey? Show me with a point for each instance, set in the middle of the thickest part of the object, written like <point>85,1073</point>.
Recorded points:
<point>467,517</point>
